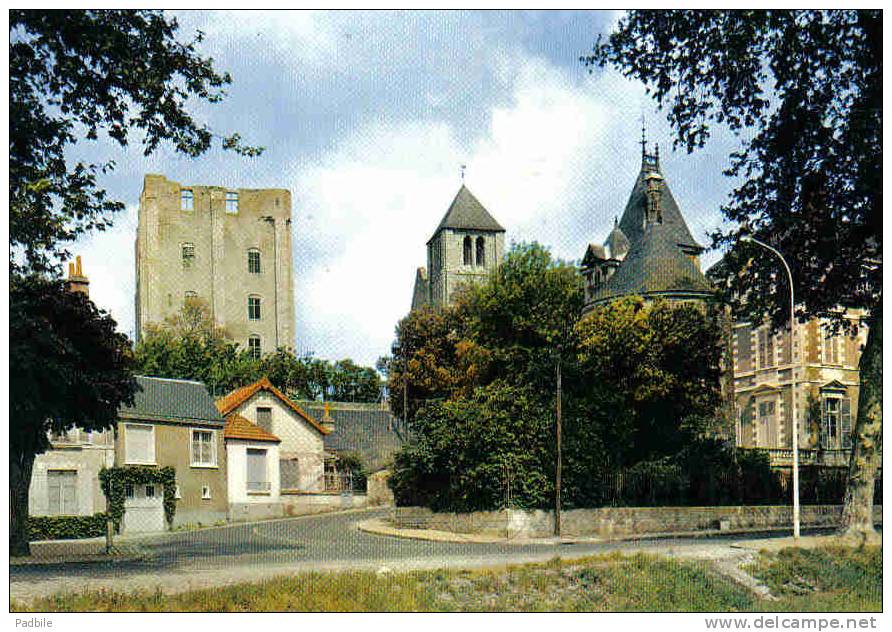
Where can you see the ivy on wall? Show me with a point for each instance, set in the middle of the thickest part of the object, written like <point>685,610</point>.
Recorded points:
<point>114,481</point>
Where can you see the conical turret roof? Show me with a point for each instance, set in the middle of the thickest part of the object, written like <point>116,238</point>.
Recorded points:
<point>632,222</point>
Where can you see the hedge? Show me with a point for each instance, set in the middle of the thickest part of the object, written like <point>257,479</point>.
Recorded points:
<point>66,527</point>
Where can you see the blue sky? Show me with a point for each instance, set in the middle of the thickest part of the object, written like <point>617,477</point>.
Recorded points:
<point>366,118</point>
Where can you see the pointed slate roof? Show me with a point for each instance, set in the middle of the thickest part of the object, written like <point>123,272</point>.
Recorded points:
<point>617,243</point>
<point>632,222</point>
<point>654,265</point>
<point>660,254</point>
<point>467,213</point>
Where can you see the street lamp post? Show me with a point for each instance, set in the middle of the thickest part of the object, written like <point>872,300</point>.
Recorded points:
<point>792,386</point>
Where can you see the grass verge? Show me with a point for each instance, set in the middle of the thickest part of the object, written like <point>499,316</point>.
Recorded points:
<point>829,579</point>
<point>824,579</point>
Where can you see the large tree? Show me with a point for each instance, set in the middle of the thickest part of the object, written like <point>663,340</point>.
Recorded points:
<point>803,92</point>
<point>73,75</point>
<point>658,365</point>
<point>71,368</point>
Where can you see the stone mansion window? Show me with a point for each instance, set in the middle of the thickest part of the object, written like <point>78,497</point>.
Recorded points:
<point>467,252</point>
<point>254,261</point>
<point>232,202</point>
<point>253,308</point>
<point>765,347</point>
<point>481,252</point>
<point>831,349</point>
<point>188,251</point>
<point>186,200</point>
<point>836,423</point>
<point>767,424</point>
<point>254,346</point>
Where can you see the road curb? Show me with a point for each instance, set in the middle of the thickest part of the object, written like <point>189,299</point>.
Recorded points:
<point>378,526</point>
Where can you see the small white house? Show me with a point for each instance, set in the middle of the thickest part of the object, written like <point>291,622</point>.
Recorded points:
<point>252,455</point>
<point>301,451</point>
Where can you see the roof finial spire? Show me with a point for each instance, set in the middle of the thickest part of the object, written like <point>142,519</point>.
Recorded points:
<point>463,167</point>
<point>643,137</point>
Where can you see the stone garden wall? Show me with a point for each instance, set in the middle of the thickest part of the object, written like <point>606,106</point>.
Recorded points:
<point>611,522</point>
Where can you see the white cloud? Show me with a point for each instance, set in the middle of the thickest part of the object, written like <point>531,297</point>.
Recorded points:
<point>109,261</point>
<point>363,217</point>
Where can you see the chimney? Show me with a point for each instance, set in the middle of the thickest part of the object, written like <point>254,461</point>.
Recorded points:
<point>76,281</point>
<point>327,420</point>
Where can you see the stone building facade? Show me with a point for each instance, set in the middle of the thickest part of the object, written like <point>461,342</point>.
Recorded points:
<point>466,246</point>
<point>228,247</point>
<point>824,368</point>
<point>650,251</point>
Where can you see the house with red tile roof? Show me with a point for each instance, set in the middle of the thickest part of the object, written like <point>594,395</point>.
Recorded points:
<point>262,419</point>
<point>252,457</point>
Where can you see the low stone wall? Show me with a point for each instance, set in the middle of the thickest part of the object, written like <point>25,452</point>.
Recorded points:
<point>249,512</point>
<point>319,502</point>
<point>610,522</point>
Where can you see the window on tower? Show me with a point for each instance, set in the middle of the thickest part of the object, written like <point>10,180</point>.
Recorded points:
<point>232,202</point>
<point>481,252</point>
<point>253,308</point>
<point>254,261</point>
<point>186,200</point>
<point>188,255</point>
<point>468,261</point>
<point>254,346</point>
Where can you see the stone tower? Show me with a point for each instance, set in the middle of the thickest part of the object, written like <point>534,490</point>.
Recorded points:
<point>228,247</point>
<point>650,252</point>
<point>467,244</point>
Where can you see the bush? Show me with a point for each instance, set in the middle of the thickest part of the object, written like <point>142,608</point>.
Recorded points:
<point>487,451</point>
<point>66,527</point>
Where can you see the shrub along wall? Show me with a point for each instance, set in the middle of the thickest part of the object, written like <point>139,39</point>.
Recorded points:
<point>66,527</point>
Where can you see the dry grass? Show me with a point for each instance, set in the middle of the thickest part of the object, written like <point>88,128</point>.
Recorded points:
<point>826,579</point>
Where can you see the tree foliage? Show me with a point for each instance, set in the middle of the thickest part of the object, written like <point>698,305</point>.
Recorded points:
<point>74,75</point>
<point>72,368</point>
<point>656,362</point>
<point>485,451</point>
<point>639,381</point>
<point>803,91</point>
<point>189,345</point>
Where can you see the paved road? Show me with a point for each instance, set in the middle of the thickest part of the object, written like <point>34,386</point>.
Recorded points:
<point>253,551</point>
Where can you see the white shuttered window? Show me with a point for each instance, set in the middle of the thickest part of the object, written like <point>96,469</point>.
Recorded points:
<point>139,443</point>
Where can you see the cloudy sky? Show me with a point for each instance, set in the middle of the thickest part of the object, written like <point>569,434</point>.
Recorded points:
<point>366,118</point>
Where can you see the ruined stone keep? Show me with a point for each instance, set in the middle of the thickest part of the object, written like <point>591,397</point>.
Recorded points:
<point>229,247</point>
